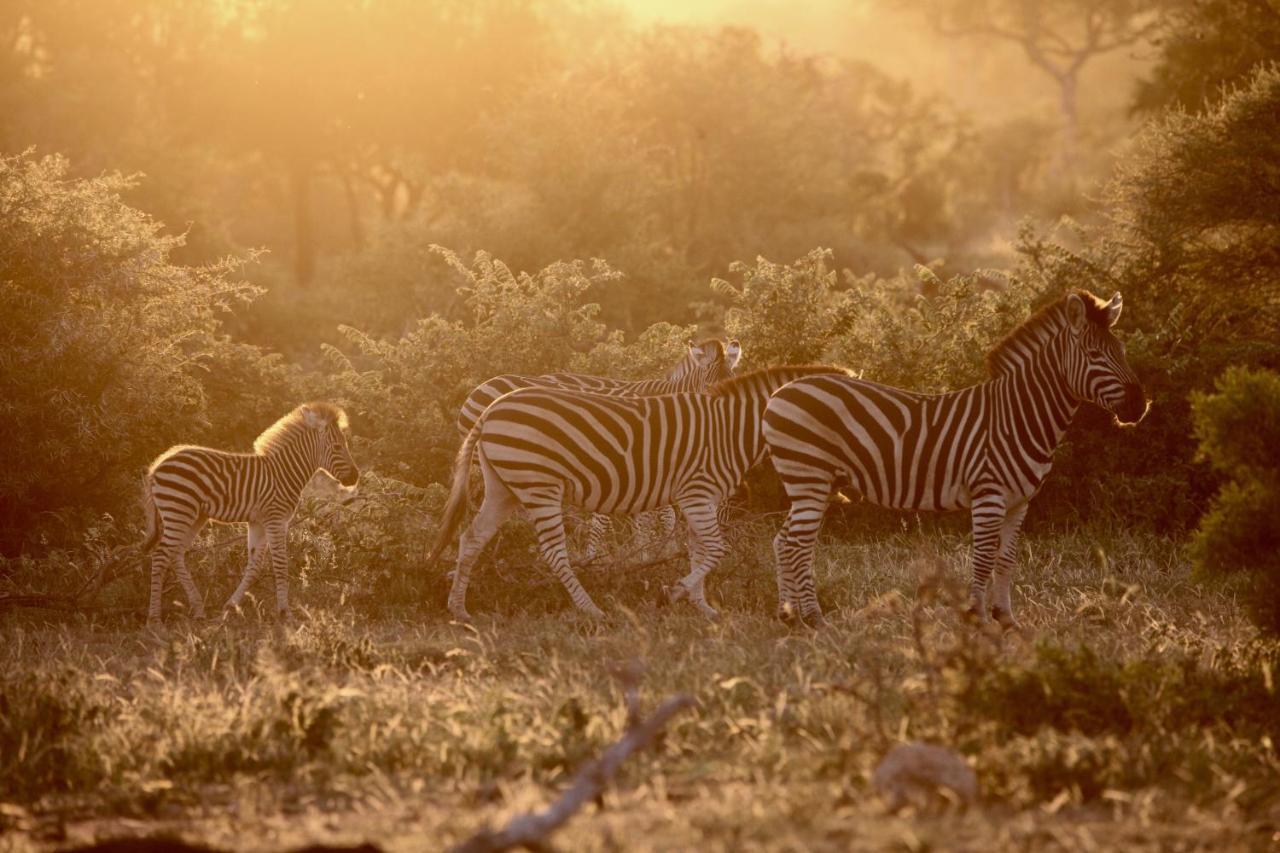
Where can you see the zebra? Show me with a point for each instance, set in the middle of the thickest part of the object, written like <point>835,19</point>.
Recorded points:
<point>987,448</point>
<point>542,448</point>
<point>704,364</point>
<point>187,486</point>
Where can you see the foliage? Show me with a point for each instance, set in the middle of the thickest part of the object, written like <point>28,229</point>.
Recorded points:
<point>1238,428</point>
<point>1206,48</point>
<point>105,343</point>
<point>406,392</point>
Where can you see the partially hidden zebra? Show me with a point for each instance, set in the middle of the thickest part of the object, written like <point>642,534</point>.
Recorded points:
<point>987,448</point>
<point>542,448</point>
<point>187,486</point>
<point>704,364</point>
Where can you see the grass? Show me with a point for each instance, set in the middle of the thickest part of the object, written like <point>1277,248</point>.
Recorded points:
<point>1136,709</point>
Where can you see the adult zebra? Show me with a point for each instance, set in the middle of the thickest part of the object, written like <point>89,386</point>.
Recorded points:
<point>542,448</point>
<point>988,447</point>
<point>187,486</point>
<point>704,364</point>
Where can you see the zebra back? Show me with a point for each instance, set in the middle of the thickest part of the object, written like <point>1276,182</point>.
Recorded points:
<point>630,454</point>
<point>704,364</point>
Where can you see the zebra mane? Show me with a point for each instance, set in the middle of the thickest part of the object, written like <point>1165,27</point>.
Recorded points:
<point>282,432</point>
<point>1039,328</point>
<point>768,375</point>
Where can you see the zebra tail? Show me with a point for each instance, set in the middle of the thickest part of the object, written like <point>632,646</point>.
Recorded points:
<point>459,493</point>
<point>155,526</point>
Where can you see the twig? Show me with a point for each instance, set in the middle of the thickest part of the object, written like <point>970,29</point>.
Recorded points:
<point>531,830</point>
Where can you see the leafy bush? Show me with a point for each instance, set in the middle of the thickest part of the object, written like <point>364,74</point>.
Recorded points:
<point>1239,432</point>
<point>106,345</point>
<point>407,392</point>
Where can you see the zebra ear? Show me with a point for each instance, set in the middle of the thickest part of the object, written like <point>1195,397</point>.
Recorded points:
<point>1113,308</point>
<point>1076,314</point>
<point>732,352</point>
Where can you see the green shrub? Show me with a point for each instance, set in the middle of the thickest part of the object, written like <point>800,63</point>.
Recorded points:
<point>106,346</point>
<point>1238,428</point>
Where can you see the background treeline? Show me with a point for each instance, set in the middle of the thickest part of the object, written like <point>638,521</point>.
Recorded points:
<point>690,172</point>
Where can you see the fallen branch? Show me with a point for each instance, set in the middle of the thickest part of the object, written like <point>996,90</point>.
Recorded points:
<point>531,830</point>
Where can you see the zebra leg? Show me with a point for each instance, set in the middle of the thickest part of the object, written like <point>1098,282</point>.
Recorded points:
<point>706,548</point>
<point>159,566</point>
<point>499,505</point>
<point>793,549</point>
<point>278,547</point>
<point>548,522</point>
<point>988,515</point>
<point>257,558</point>
<point>1001,605</point>
<point>184,576</point>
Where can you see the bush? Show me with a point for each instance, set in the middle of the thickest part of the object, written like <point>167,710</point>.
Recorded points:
<point>106,346</point>
<point>1238,428</point>
<point>407,392</point>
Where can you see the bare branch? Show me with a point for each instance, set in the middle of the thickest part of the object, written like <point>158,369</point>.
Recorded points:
<point>531,830</point>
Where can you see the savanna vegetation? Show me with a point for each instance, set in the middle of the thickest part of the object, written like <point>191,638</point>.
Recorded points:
<point>213,211</point>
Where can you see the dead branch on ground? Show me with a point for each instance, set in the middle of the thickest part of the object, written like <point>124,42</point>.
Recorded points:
<point>532,830</point>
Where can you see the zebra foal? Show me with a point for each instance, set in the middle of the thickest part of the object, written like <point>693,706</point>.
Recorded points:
<point>187,486</point>
<point>542,448</point>
<point>987,448</point>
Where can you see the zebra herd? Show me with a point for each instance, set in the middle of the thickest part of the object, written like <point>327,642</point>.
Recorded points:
<point>544,443</point>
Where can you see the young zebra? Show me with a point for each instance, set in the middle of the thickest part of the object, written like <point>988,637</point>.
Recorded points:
<point>542,448</point>
<point>187,486</point>
<point>988,447</point>
<point>704,364</point>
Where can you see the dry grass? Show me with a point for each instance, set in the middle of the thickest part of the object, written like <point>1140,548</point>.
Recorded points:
<point>1136,710</point>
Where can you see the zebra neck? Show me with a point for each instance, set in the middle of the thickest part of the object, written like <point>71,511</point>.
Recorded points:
<point>290,470</point>
<point>1034,406</point>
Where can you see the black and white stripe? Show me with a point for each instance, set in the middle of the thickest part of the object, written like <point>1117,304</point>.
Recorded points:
<point>188,486</point>
<point>704,364</point>
<point>542,448</point>
<point>987,448</point>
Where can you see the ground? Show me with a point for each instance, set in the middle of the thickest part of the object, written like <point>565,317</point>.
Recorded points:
<point>1136,709</point>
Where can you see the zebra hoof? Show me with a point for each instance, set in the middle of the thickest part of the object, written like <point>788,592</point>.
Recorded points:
<point>974,614</point>
<point>461,616</point>
<point>1005,619</point>
<point>674,593</point>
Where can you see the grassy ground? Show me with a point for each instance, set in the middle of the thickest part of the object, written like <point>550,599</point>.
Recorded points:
<point>1136,709</point>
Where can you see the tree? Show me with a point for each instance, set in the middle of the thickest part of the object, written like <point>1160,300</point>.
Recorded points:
<point>1207,46</point>
<point>1058,37</point>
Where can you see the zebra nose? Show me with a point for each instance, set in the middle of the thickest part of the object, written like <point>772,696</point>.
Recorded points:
<point>350,477</point>
<point>1134,406</point>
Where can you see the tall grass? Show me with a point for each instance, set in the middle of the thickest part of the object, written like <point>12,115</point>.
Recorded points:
<point>1134,709</point>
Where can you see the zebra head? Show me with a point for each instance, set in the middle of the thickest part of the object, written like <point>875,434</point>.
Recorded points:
<point>708,361</point>
<point>1097,370</point>
<point>332,454</point>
